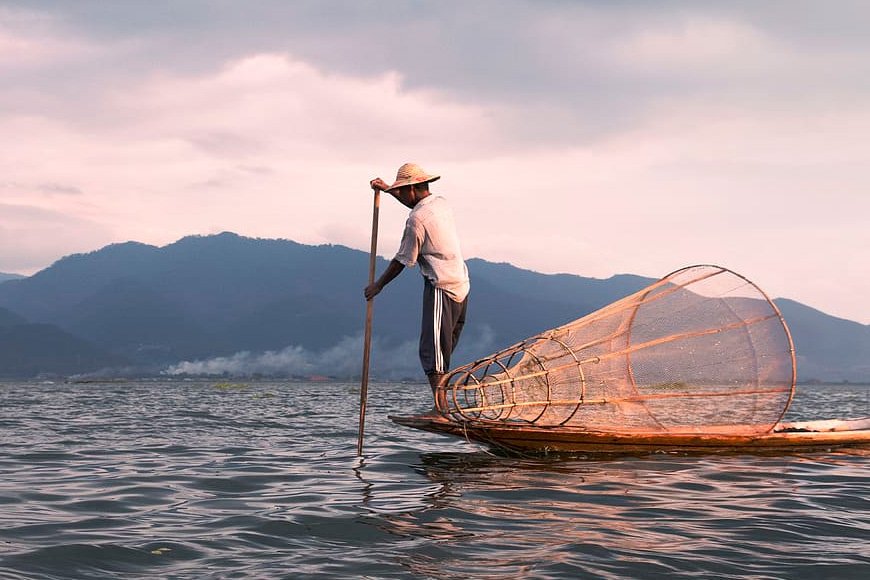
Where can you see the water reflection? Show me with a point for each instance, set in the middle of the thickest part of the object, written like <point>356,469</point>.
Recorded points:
<point>169,480</point>
<point>496,516</point>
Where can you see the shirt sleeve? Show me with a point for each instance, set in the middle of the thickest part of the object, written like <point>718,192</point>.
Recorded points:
<point>409,248</point>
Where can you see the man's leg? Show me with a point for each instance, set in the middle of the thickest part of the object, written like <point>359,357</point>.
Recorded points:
<point>441,326</point>
<point>459,322</point>
<point>443,320</point>
<point>430,332</point>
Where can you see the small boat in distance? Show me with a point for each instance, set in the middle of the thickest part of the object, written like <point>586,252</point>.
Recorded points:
<point>701,360</point>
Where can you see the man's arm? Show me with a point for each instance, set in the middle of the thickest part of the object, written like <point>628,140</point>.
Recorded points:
<point>394,269</point>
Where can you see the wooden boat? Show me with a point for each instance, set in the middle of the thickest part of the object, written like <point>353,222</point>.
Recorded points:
<point>701,360</point>
<point>795,436</point>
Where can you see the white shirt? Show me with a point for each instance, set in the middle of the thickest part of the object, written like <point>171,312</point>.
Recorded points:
<point>430,238</point>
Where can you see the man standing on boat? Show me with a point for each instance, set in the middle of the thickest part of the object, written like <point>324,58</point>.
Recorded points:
<point>429,239</point>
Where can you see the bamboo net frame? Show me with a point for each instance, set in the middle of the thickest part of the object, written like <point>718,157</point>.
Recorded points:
<point>700,350</point>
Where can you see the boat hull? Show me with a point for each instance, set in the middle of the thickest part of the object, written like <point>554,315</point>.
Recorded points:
<point>787,437</point>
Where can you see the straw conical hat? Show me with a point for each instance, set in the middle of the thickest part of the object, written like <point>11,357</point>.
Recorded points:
<point>411,174</point>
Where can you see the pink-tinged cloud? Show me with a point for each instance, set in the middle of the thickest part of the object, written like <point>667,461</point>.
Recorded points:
<point>588,138</point>
<point>30,237</point>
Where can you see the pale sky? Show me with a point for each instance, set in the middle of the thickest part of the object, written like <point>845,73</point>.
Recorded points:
<point>591,138</point>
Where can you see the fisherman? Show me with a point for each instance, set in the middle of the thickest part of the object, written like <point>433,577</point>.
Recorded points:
<point>429,239</point>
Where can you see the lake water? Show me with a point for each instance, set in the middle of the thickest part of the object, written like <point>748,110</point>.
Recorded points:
<point>204,479</point>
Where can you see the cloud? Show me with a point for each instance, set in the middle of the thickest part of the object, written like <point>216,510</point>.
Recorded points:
<point>30,237</point>
<point>592,138</point>
<point>563,72</point>
<point>49,189</point>
<point>273,104</point>
<point>28,41</point>
<point>171,155</point>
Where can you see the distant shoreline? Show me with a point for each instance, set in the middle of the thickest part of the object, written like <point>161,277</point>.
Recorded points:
<point>220,379</point>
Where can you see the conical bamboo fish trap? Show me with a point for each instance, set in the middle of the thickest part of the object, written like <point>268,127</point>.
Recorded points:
<point>702,350</point>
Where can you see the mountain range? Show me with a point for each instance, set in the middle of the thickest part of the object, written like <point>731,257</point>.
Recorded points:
<point>226,304</point>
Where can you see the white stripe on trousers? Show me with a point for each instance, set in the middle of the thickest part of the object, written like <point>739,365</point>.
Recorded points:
<point>437,310</point>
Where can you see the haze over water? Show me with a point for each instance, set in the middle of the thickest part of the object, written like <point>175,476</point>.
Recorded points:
<point>203,479</point>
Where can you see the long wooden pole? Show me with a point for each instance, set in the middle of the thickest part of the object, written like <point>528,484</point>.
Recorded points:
<point>367,345</point>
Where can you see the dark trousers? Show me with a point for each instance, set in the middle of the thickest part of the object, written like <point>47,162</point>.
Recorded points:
<point>443,319</point>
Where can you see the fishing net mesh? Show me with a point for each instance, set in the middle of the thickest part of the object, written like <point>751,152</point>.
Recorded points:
<point>702,350</point>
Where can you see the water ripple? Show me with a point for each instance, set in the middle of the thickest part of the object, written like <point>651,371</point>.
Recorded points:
<point>188,480</point>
